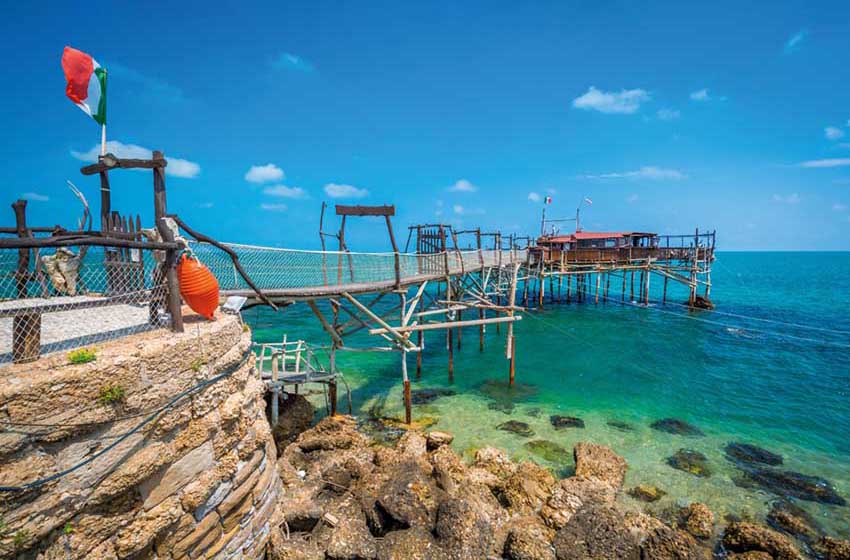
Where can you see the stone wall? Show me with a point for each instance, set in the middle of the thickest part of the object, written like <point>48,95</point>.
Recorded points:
<point>196,480</point>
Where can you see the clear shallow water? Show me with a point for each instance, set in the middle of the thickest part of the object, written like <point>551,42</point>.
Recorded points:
<point>766,382</point>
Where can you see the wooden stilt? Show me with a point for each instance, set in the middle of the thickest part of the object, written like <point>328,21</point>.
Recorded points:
<point>420,339</point>
<point>597,289</point>
<point>481,315</point>
<point>459,329</point>
<point>332,396</point>
<point>646,284</point>
<point>408,402</point>
<point>569,287</point>
<point>607,285</point>
<point>632,288</point>
<point>512,365</point>
<point>623,295</point>
<point>450,345</point>
<point>664,297</point>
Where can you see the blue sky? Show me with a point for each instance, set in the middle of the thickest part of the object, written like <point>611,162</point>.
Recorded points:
<point>669,116</point>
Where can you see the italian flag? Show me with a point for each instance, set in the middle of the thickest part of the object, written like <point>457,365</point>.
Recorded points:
<point>86,83</point>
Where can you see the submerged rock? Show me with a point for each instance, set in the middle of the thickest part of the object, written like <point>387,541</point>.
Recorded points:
<point>790,483</point>
<point>516,427</point>
<point>503,392</point>
<point>792,519</point>
<point>702,303</point>
<point>596,532</point>
<point>832,549</point>
<point>559,421</point>
<point>601,463</point>
<point>677,427</point>
<point>425,396</point>
<point>549,451</point>
<point>620,425</point>
<point>646,493</point>
<point>749,537</point>
<point>503,407</point>
<point>690,461</point>
<point>697,520</point>
<point>534,412</point>
<point>751,454</point>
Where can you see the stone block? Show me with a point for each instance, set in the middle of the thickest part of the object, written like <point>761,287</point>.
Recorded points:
<point>158,487</point>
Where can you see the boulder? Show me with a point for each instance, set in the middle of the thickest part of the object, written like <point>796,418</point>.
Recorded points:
<point>690,461</point>
<point>529,539</point>
<point>832,549</point>
<point>297,547</point>
<point>752,555</point>
<point>596,532</point>
<point>751,454</point>
<point>332,433</point>
<point>412,445</point>
<point>570,495</point>
<point>348,537</point>
<point>410,544</point>
<point>516,427</point>
<point>495,461</point>
<point>462,530</point>
<point>697,520</point>
<point>449,470</point>
<point>646,493</point>
<point>665,543</point>
<point>601,463</point>
<point>295,416</point>
<point>528,488</point>
<point>425,396</point>
<point>742,536</point>
<point>500,406</point>
<point>560,422</point>
<point>410,497</point>
<point>676,427</point>
<point>548,451</point>
<point>436,439</point>
<point>791,484</point>
<point>792,519</point>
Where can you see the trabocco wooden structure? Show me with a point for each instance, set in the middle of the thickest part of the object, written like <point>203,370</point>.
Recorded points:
<point>62,289</point>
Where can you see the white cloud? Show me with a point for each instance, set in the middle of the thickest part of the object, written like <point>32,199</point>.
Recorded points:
<point>668,114</point>
<point>700,95</point>
<point>463,186</point>
<point>463,211</point>
<point>35,197</point>
<point>283,191</point>
<point>820,163</point>
<point>264,173</point>
<point>626,101</point>
<point>839,207</point>
<point>334,190</point>
<point>833,133</point>
<point>792,198</point>
<point>205,205</point>
<point>632,198</point>
<point>792,45</point>
<point>273,207</point>
<point>534,197</point>
<point>176,167</point>
<point>289,61</point>
<point>550,190</point>
<point>646,172</point>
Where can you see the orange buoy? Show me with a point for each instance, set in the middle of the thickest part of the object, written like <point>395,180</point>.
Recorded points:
<point>198,286</point>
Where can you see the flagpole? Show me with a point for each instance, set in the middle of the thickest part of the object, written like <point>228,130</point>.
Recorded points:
<point>103,139</point>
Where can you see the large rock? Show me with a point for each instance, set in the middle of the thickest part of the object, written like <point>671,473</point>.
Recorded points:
<point>410,497</point>
<point>646,493</point>
<point>348,536</point>
<point>832,549</point>
<point>791,484</point>
<point>516,427</point>
<point>410,544</point>
<point>295,416</point>
<point>691,462</point>
<point>742,536</point>
<point>570,495</point>
<point>529,539</point>
<point>560,422</point>
<point>297,547</point>
<point>697,520</point>
<point>792,519</point>
<point>665,543</point>
<point>332,433</point>
<point>528,488</point>
<point>751,454</point>
<point>601,463</point>
<point>436,439</point>
<point>495,461</point>
<point>425,396</point>
<point>676,427</point>
<point>463,532</point>
<point>596,532</point>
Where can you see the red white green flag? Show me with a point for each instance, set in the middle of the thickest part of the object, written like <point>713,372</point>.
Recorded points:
<point>86,83</point>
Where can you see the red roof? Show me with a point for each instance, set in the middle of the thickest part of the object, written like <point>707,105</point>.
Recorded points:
<point>584,235</point>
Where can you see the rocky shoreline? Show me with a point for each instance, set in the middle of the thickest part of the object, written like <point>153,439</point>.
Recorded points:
<point>347,496</point>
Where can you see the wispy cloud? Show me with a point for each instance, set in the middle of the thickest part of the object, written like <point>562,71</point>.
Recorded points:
<point>35,197</point>
<point>335,190</point>
<point>626,101</point>
<point>463,211</point>
<point>668,114</point>
<point>463,186</point>
<point>273,207</point>
<point>289,61</point>
<point>534,197</point>
<point>176,167</point>
<point>264,173</point>
<point>700,95</point>
<point>792,198</point>
<point>794,42</point>
<point>821,163</point>
<point>152,87</point>
<point>205,205</point>
<point>283,191</point>
<point>833,133</point>
<point>646,172</point>
<point>839,207</point>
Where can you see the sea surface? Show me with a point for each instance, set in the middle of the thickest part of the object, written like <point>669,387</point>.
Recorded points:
<point>769,367</point>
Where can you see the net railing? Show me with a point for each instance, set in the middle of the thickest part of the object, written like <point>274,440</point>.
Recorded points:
<point>68,297</point>
<point>275,269</point>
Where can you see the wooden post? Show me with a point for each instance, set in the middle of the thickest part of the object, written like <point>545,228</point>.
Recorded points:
<point>419,342</point>
<point>569,287</point>
<point>664,297</point>
<point>623,295</point>
<point>22,272</point>
<point>332,388</point>
<point>481,315</point>
<point>174,304</point>
<point>408,402</point>
<point>450,345</point>
<point>646,282</point>
<point>395,252</point>
<point>632,288</point>
<point>511,350</point>
<point>512,365</point>
<point>26,328</point>
<point>105,202</point>
<point>607,285</point>
<point>597,288</point>
<point>459,329</point>
<point>692,298</point>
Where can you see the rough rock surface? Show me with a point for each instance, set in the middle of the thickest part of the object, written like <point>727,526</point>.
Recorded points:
<point>529,539</point>
<point>665,543</point>
<point>697,520</point>
<point>600,463</point>
<point>832,549</point>
<point>743,536</point>
<point>646,493</point>
<point>596,532</point>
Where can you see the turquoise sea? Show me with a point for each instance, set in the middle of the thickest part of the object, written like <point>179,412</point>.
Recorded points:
<point>769,367</point>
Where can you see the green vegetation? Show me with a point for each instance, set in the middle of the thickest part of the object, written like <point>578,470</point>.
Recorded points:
<point>82,356</point>
<point>20,539</point>
<point>68,529</point>
<point>112,394</point>
<point>245,327</point>
<point>196,365</point>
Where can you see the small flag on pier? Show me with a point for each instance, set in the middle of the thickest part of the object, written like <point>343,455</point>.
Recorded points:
<point>547,200</point>
<point>86,83</point>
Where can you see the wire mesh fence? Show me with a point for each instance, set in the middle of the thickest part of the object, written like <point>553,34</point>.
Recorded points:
<point>61,298</point>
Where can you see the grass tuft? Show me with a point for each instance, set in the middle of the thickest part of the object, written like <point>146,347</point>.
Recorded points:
<point>112,394</point>
<point>82,356</point>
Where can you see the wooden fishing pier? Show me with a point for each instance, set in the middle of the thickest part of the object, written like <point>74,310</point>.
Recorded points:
<point>395,296</point>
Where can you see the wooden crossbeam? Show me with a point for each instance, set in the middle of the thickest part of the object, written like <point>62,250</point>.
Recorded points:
<point>386,328</point>
<point>325,325</point>
<point>448,325</point>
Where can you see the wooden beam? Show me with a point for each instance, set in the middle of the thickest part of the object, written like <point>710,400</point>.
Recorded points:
<point>109,161</point>
<point>325,325</point>
<point>395,333</point>
<point>384,210</point>
<point>448,325</point>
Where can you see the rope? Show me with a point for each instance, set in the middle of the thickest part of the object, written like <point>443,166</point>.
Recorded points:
<point>170,404</point>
